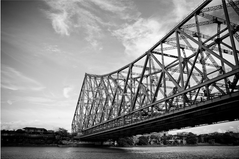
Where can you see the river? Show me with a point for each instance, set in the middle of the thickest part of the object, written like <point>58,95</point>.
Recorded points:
<point>185,152</point>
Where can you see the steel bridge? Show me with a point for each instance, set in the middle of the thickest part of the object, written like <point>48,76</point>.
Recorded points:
<point>189,77</point>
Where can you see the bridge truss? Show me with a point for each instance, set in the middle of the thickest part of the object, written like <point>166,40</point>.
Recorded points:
<point>196,62</point>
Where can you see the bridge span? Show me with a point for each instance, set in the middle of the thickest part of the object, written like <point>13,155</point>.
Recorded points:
<point>189,77</point>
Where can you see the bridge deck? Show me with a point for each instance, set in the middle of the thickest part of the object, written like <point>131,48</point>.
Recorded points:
<point>208,112</point>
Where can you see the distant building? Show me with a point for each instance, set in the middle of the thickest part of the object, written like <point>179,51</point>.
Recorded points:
<point>50,132</point>
<point>34,130</point>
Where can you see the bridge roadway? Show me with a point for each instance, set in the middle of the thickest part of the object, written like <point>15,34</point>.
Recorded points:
<point>208,112</point>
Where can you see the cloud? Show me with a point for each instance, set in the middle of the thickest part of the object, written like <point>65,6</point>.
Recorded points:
<point>121,18</point>
<point>71,16</point>
<point>138,37</point>
<point>221,131</point>
<point>52,49</point>
<point>112,6</point>
<point>182,8</point>
<point>66,91</point>
<point>123,9</point>
<point>60,13</point>
<point>23,82</point>
<point>9,102</point>
<point>60,23</point>
<point>57,55</point>
<point>89,17</point>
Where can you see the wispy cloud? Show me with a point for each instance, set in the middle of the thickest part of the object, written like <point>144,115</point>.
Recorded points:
<point>182,8</point>
<point>9,102</point>
<point>70,16</point>
<point>57,55</point>
<point>66,91</point>
<point>60,23</point>
<point>139,36</point>
<point>112,6</point>
<point>79,15</point>
<point>123,9</point>
<point>52,49</point>
<point>121,18</point>
<point>15,80</point>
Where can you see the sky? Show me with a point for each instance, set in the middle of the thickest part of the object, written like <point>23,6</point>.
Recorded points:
<point>47,46</point>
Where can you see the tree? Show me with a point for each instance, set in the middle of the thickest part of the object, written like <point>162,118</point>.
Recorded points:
<point>164,139</point>
<point>143,140</point>
<point>191,138</point>
<point>228,138</point>
<point>154,139</point>
<point>20,131</point>
<point>62,132</point>
<point>127,141</point>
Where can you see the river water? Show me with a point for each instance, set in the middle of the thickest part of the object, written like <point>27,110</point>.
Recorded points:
<point>185,152</point>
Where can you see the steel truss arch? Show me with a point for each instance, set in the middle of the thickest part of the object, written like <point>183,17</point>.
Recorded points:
<point>196,61</point>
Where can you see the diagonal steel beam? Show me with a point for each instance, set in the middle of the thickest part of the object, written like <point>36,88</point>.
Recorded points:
<point>200,7</point>
<point>141,79</point>
<point>168,74</point>
<point>204,47</point>
<point>217,7</point>
<point>234,6</point>
<point>124,90</point>
<point>230,32</point>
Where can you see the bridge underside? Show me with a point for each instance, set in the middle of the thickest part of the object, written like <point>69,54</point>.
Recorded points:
<point>221,109</point>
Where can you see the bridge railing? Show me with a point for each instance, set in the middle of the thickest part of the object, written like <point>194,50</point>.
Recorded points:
<point>157,109</point>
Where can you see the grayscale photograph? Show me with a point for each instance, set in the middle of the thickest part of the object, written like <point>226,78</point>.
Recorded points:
<point>119,79</point>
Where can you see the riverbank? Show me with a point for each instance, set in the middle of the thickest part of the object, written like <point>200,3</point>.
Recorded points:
<point>108,145</point>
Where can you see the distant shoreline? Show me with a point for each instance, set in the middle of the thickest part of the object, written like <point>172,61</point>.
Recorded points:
<point>94,145</point>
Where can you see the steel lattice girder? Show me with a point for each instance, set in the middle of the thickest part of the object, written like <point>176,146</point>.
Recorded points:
<point>196,61</point>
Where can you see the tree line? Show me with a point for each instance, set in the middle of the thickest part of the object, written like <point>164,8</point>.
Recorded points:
<point>22,138</point>
<point>227,138</point>
<point>61,136</point>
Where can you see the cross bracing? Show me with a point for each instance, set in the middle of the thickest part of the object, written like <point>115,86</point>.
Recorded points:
<point>196,61</point>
